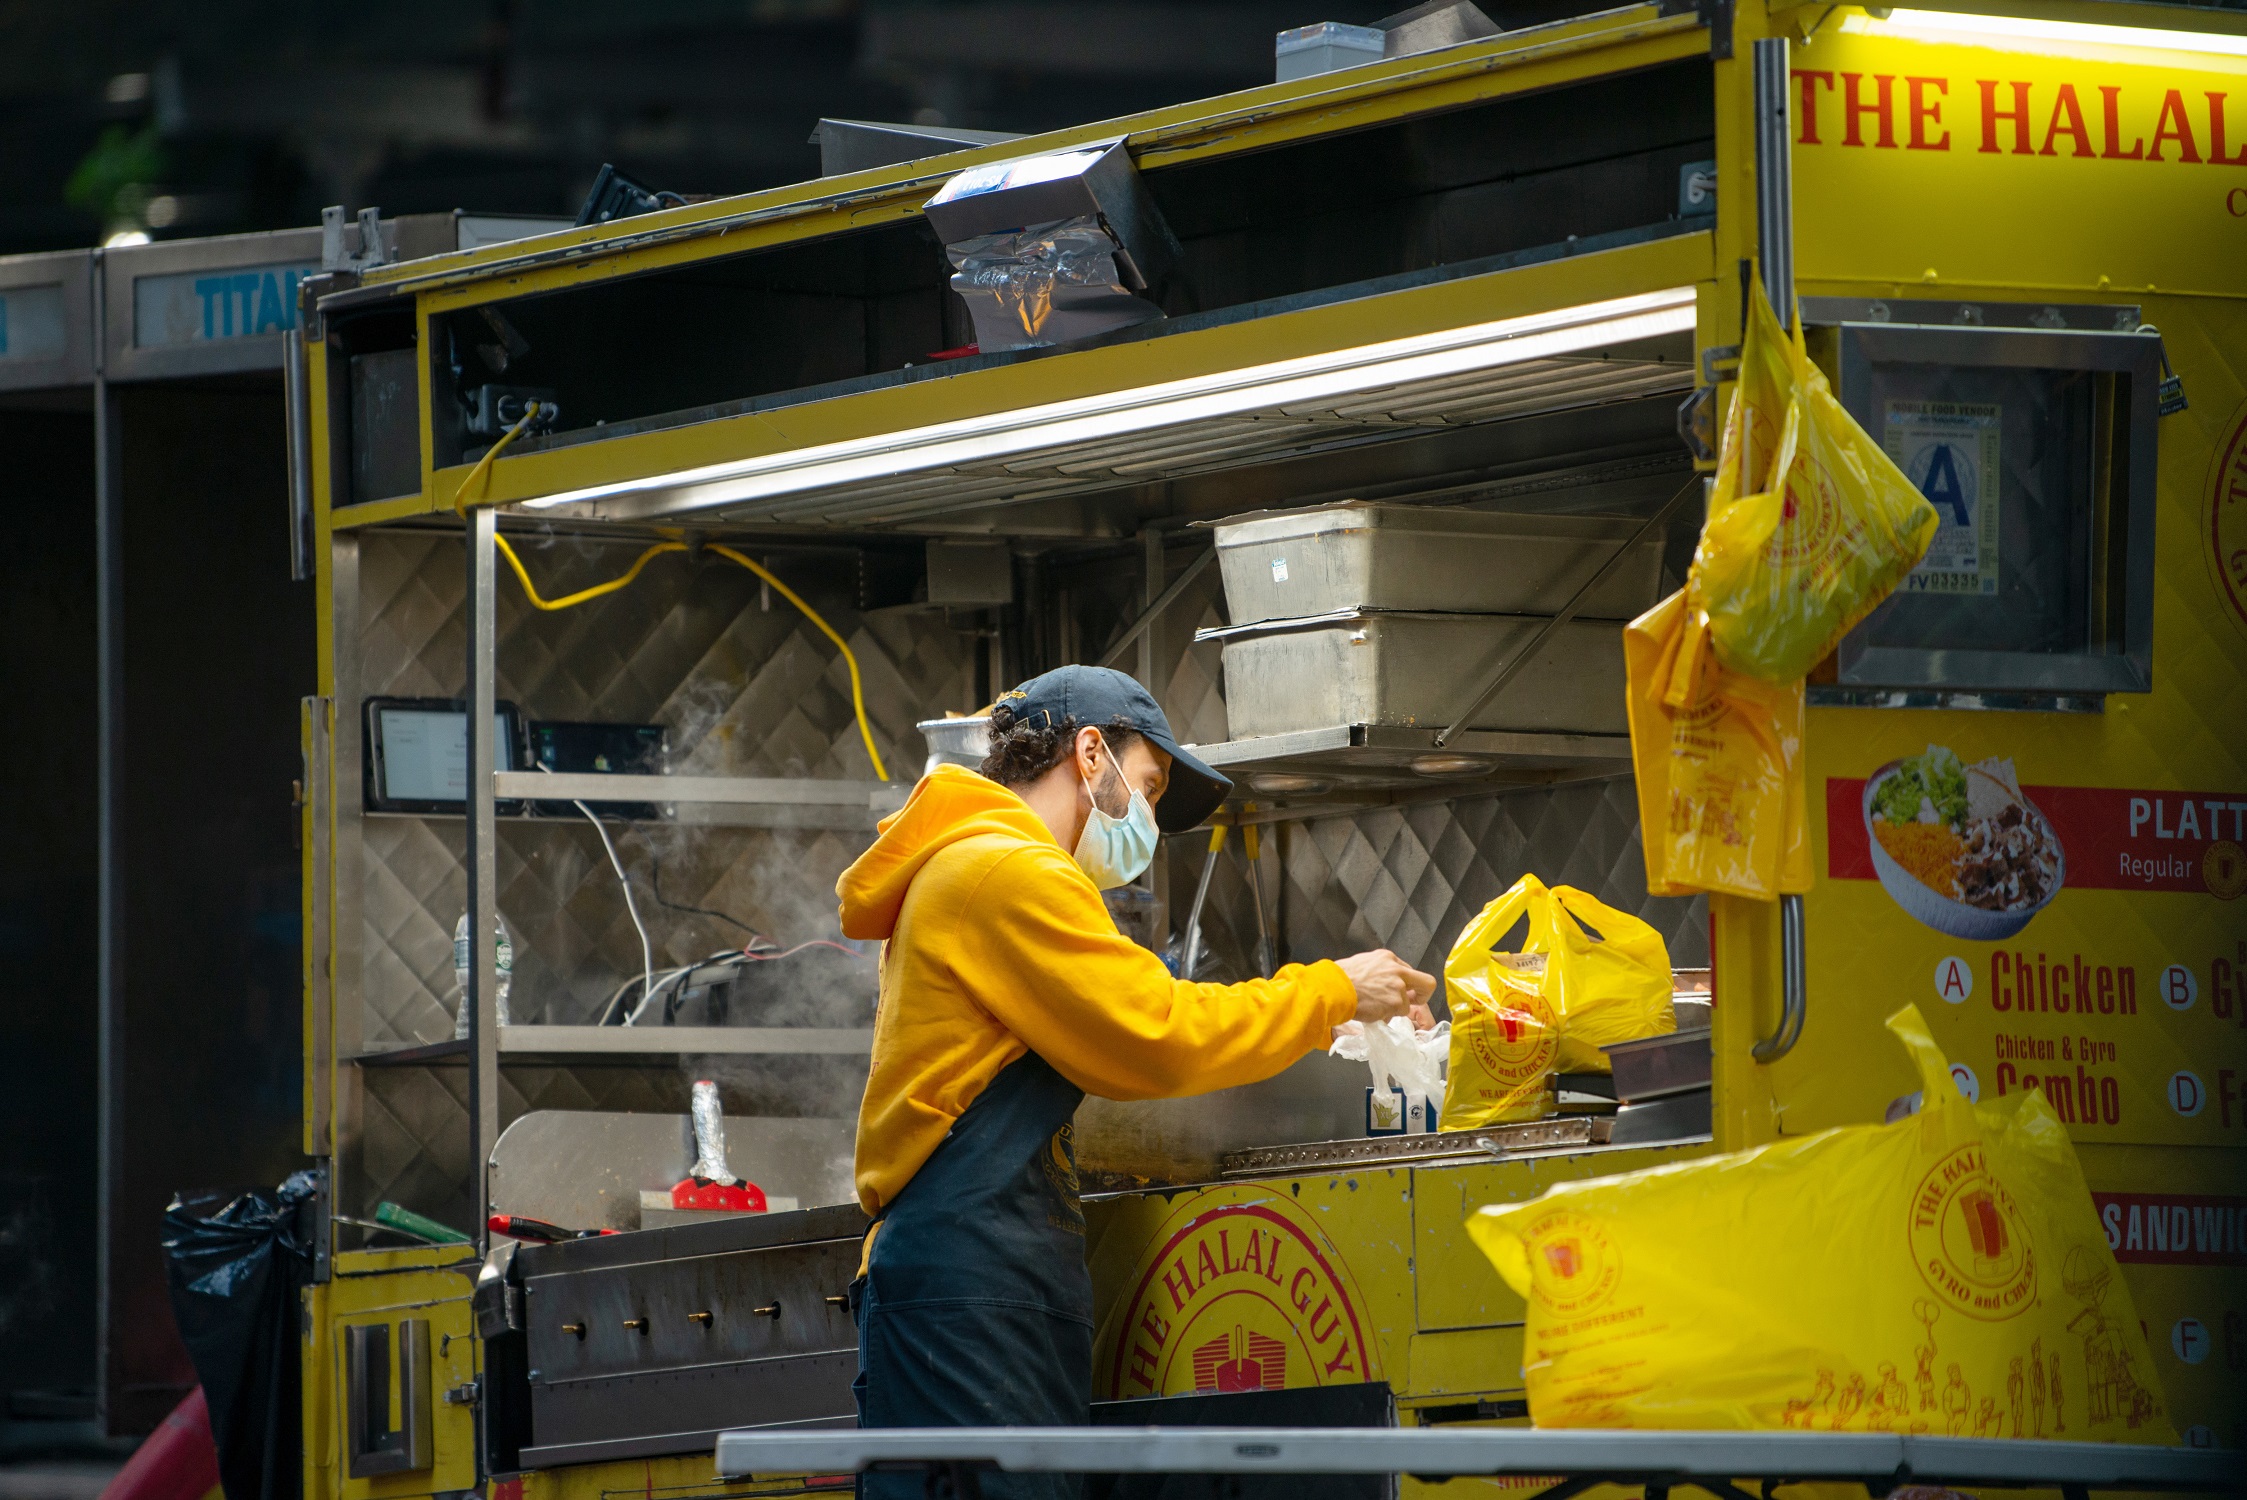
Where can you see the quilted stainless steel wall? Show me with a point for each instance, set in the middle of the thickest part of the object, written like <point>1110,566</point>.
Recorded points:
<point>747,690</point>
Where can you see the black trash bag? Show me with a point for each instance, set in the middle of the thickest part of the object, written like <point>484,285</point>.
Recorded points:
<point>236,1269</point>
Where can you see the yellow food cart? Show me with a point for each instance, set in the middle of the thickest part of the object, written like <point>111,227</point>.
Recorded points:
<point>1502,278</point>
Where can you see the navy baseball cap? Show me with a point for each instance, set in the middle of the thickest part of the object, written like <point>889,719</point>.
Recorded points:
<point>1098,696</point>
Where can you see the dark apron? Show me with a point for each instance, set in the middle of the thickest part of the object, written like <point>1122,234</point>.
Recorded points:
<point>976,1308</point>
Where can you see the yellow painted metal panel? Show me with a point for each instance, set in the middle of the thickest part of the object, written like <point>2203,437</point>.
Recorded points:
<point>1455,1284</point>
<point>1805,16</point>
<point>316,1397</point>
<point>397,508</point>
<point>1470,1362</point>
<point>685,1476</point>
<point>2038,168</point>
<point>388,1287</point>
<point>2163,1057</point>
<point>1679,261</point>
<point>1289,1283</point>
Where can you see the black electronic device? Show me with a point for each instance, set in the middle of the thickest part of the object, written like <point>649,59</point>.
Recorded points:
<point>616,196</point>
<point>567,746</point>
<point>417,753</point>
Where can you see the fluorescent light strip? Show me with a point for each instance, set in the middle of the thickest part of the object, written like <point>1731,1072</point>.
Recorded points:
<point>1944,25</point>
<point>1282,383</point>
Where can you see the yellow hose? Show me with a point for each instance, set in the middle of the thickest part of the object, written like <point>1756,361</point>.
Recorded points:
<point>850,658</point>
<point>596,591</point>
<point>482,471</point>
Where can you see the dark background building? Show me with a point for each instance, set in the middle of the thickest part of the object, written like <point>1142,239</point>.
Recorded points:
<point>129,119</point>
<point>170,118</point>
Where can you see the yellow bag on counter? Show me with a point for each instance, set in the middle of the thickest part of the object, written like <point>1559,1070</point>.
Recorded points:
<point>1810,524</point>
<point>1945,1274</point>
<point>1719,764</point>
<point>1586,975</point>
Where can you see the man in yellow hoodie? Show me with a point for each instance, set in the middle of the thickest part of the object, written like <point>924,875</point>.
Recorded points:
<point>1007,995</point>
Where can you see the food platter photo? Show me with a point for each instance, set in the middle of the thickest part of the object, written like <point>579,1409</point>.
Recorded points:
<point>1959,846</point>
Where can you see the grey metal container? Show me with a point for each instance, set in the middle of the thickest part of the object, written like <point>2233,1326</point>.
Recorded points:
<point>1285,564</point>
<point>1653,1066</point>
<point>956,742</point>
<point>1367,667</point>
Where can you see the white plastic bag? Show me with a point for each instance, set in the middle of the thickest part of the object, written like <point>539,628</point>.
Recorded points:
<point>1398,1056</point>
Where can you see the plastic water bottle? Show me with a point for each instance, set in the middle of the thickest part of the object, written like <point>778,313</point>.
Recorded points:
<point>460,974</point>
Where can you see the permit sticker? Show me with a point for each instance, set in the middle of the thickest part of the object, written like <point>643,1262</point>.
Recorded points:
<point>1949,450</point>
<point>1279,570</point>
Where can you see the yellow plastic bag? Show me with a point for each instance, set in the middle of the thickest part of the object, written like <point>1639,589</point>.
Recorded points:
<point>1945,1274</point>
<point>1586,975</point>
<point>1719,764</point>
<point>1810,524</point>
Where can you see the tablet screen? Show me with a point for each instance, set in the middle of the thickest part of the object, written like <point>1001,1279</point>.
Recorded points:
<point>425,753</point>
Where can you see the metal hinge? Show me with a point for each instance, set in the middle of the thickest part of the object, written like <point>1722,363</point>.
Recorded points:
<point>333,254</point>
<point>1719,362</point>
<point>2169,393</point>
<point>1717,16</point>
<point>465,1395</point>
<point>1714,14</point>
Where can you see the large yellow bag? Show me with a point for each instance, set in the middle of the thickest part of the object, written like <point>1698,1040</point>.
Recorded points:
<point>1586,975</point>
<point>1719,764</point>
<point>1945,1273</point>
<point>1810,524</point>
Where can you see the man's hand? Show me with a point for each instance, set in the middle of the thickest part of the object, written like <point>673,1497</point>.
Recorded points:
<point>1388,986</point>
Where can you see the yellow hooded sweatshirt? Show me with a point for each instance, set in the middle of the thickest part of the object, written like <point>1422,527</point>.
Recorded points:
<point>999,944</point>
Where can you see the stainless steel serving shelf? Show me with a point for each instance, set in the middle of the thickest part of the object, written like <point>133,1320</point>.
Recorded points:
<point>1347,761</point>
<point>518,1044</point>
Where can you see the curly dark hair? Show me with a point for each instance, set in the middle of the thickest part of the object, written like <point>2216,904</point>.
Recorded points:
<point>1022,752</point>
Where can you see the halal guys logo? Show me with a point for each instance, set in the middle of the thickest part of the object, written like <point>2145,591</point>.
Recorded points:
<point>1242,1295</point>
<point>1810,514</point>
<point>1572,1264</point>
<point>2227,519</point>
<point>1518,1035</point>
<point>1968,1238</point>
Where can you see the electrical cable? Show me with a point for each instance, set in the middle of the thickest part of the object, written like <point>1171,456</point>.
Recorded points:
<point>631,908</point>
<point>647,949</point>
<point>596,591</point>
<point>766,958</point>
<point>648,996</point>
<point>483,468</point>
<point>655,868</point>
<point>764,574</point>
<point>617,996</point>
<point>850,658</point>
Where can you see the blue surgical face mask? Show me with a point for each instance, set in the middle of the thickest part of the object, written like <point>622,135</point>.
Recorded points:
<point>1116,851</point>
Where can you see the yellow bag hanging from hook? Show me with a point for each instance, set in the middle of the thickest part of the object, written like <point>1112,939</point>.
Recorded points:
<point>1718,761</point>
<point>1586,975</point>
<point>1810,524</point>
<point>1943,1274</point>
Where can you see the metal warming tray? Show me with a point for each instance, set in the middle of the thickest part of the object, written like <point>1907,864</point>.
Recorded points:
<point>1681,1116</point>
<point>1370,667</point>
<point>1282,565</point>
<point>1654,1066</point>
